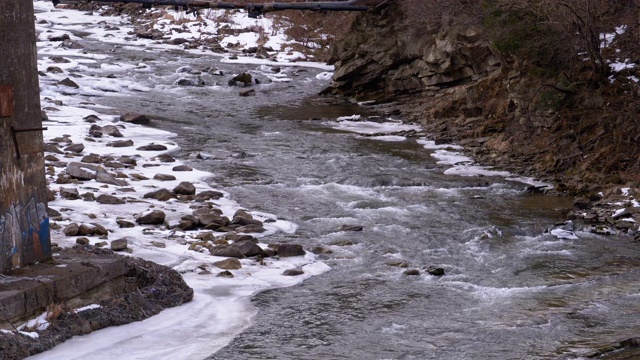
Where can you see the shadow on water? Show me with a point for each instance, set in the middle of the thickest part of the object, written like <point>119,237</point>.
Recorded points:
<point>313,108</point>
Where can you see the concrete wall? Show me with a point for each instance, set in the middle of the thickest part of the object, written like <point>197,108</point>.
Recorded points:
<point>24,224</point>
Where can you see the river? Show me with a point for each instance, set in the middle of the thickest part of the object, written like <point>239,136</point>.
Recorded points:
<point>510,290</point>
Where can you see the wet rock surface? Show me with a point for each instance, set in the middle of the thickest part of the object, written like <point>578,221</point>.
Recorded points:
<point>146,289</point>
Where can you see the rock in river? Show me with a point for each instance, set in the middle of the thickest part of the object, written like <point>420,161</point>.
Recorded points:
<point>155,217</point>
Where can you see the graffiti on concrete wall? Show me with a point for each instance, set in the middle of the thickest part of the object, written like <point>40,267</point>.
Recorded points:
<point>24,235</point>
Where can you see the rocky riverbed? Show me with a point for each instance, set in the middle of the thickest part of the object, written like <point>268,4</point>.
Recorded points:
<point>464,92</point>
<point>118,184</point>
<point>115,187</point>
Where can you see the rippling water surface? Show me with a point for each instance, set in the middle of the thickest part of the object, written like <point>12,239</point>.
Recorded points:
<point>510,291</point>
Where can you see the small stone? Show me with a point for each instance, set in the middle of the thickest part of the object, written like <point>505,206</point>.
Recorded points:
<point>159,244</point>
<point>91,159</point>
<point>188,222</point>
<point>99,230</point>
<point>351,228</point>
<point>62,37</point>
<point>52,149</point>
<point>228,264</point>
<point>209,195</point>
<point>74,148</point>
<point>435,271</point>
<point>288,250</point>
<point>152,147</point>
<point>109,200</point>
<point>111,131</point>
<point>164,177</point>
<point>185,188</point>
<point>135,118</point>
<point>124,223</point>
<point>69,194</point>
<point>71,230</point>
<point>244,78</point>
<point>101,244</point>
<point>249,248</point>
<point>320,250</point>
<point>229,251</point>
<point>582,203</point>
<point>293,272</point>
<point>59,60</point>
<point>602,229</point>
<point>182,168</point>
<point>412,272</point>
<point>225,274</point>
<point>206,236</point>
<point>165,158</point>
<point>54,70</point>
<point>68,82</point>
<point>91,119</point>
<point>155,217</point>
<point>119,245</point>
<point>120,143</point>
<point>251,229</point>
<point>82,241</point>
<point>160,195</point>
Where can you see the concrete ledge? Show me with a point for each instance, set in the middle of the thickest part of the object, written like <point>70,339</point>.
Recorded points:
<point>29,290</point>
<point>125,289</point>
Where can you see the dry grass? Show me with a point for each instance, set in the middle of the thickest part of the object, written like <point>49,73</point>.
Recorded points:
<point>54,311</point>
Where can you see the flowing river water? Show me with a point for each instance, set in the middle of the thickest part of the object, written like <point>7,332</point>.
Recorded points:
<point>510,290</point>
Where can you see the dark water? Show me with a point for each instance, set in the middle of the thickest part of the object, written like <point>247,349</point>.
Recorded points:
<point>510,291</point>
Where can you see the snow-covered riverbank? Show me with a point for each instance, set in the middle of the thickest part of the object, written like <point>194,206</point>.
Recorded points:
<point>109,208</point>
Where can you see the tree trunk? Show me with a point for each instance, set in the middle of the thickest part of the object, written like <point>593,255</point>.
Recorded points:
<point>24,223</point>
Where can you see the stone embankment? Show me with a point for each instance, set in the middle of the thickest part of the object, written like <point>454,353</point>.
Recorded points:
<point>452,81</point>
<point>83,289</point>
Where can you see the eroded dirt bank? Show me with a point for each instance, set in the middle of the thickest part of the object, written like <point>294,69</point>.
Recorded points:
<point>562,126</point>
